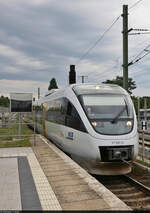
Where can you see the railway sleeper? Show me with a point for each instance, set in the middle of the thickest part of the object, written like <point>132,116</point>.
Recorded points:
<point>136,200</point>
<point>140,208</point>
<point>127,189</point>
<point>120,186</point>
<point>137,194</point>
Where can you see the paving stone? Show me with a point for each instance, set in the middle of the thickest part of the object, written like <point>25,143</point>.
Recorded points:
<point>62,177</point>
<point>47,159</point>
<point>77,196</point>
<point>8,187</point>
<point>70,189</point>
<point>101,203</point>
<point>56,167</point>
<point>51,162</point>
<point>75,181</point>
<point>59,173</point>
<point>9,184</point>
<point>98,204</point>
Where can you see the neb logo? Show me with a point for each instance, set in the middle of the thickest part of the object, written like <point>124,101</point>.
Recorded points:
<point>70,135</point>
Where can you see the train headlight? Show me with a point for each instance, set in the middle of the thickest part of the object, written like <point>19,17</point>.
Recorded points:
<point>94,123</point>
<point>129,123</point>
<point>97,87</point>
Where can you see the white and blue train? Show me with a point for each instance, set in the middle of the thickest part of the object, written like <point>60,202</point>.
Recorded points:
<point>95,124</point>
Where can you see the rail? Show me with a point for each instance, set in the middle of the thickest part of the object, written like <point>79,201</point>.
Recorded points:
<point>128,189</point>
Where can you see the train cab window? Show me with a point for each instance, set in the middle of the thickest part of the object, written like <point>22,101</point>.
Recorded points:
<point>73,119</point>
<point>109,114</point>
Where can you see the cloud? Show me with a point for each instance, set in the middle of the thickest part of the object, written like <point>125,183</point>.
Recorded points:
<point>39,39</point>
<point>20,58</point>
<point>96,72</point>
<point>22,86</point>
<point>11,70</point>
<point>141,92</point>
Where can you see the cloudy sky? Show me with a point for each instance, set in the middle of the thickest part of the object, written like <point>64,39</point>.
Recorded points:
<point>39,39</point>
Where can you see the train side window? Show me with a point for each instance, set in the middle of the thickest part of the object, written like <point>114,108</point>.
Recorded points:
<point>60,117</point>
<point>56,111</point>
<point>63,106</point>
<point>50,113</point>
<point>39,114</point>
<point>73,119</point>
<point>69,108</point>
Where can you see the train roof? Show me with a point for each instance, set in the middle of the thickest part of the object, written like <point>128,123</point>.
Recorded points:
<point>87,88</point>
<point>98,89</point>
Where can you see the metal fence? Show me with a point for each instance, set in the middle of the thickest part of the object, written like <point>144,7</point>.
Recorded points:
<point>144,146</point>
<point>13,126</point>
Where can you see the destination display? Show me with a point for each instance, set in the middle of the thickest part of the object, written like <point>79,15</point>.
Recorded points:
<point>21,102</point>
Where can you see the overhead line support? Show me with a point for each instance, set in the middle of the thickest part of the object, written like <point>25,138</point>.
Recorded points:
<point>125,46</point>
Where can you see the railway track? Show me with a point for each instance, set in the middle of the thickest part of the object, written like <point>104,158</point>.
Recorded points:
<point>132,192</point>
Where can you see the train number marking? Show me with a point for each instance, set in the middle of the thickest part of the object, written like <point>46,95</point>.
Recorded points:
<point>118,142</point>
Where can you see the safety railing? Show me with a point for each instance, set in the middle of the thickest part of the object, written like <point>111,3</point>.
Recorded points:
<point>144,146</point>
<point>13,128</point>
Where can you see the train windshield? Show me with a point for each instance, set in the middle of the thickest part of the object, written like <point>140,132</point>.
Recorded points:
<point>109,114</point>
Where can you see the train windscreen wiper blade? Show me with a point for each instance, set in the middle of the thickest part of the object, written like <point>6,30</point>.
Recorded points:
<point>118,115</point>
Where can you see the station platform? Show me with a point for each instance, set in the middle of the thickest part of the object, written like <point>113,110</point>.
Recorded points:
<point>45,178</point>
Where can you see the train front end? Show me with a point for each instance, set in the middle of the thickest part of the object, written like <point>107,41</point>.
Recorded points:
<point>112,130</point>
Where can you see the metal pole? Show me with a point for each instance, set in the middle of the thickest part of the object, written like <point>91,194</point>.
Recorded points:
<point>145,109</point>
<point>125,47</point>
<point>138,112</point>
<point>143,148</point>
<point>34,142</point>
<point>20,126</point>
<point>38,93</point>
<point>82,79</point>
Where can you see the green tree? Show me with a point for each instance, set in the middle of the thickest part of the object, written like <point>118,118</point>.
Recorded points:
<point>135,102</point>
<point>142,102</point>
<point>52,84</point>
<point>119,81</point>
<point>4,101</point>
<point>141,99</point>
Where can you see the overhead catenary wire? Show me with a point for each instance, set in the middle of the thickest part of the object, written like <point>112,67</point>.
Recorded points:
<point>138,58</point>
<point>102,36</point>
<point>142,51</point>
<point>139,44</point>
<point>148,52</point>
<point>99,39</point>
<point>139,33</point>
<point>136,3</point>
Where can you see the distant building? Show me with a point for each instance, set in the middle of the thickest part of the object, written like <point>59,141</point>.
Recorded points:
<point>145,114</point>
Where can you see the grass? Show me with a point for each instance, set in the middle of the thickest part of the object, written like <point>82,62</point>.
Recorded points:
<point>19,143</point>
<point>143,163</point>
<point>14,130</point>
<point>10,136</point>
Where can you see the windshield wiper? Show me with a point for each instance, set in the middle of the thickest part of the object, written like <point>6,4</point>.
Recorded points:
<point>120,113</point>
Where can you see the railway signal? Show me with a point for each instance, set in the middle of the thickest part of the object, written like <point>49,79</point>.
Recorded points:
<point>144,125</point>
<point>72,75</point>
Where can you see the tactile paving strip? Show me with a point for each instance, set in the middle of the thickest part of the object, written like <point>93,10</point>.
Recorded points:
<point>46,195</point>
